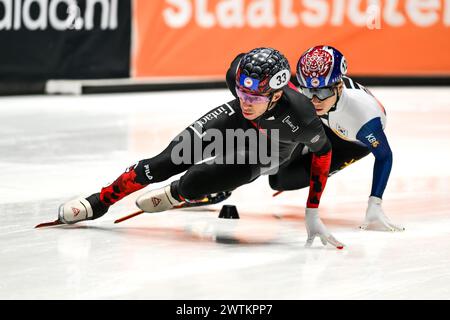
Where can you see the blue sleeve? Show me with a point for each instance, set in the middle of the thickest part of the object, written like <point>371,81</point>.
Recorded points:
<point>372,135</point>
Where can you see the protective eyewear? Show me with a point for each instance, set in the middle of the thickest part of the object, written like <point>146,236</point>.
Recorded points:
<point>252,98</point>
<point>321,93</point>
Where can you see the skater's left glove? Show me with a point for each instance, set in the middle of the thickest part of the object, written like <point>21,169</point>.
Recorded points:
<point>315,227</point>
<point>376,217</point>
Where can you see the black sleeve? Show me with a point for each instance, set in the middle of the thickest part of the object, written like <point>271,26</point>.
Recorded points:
<point>312,133</point>
<point>315,139</point>
<point>231,74</point>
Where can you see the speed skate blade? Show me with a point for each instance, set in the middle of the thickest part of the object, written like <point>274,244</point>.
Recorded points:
<point>49,224</point>
<point>129,216</point>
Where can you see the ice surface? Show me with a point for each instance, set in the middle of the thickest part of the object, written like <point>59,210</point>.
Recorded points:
<point>54,148</point>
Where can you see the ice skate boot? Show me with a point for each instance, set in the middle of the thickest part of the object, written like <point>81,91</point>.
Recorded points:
<point>163,199</point>
<point>82,209</point>
<point>157,200</point>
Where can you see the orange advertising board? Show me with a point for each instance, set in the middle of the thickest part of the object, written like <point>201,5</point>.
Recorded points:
<point>199,38</point>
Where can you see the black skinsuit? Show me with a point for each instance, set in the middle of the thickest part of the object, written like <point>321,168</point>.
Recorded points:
<point>293,117</point>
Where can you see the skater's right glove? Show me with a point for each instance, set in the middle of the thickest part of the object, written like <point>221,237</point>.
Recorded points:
<point>315,227</point>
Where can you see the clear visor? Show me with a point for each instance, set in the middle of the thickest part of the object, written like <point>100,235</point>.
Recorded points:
<point>320,93</point>
<point>251,98</point>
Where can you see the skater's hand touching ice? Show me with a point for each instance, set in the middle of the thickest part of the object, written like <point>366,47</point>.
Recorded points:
<point>376,217</point>
<point>315,227</point>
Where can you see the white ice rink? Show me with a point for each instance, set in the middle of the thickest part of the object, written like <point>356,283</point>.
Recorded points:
<point>54,148</point>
